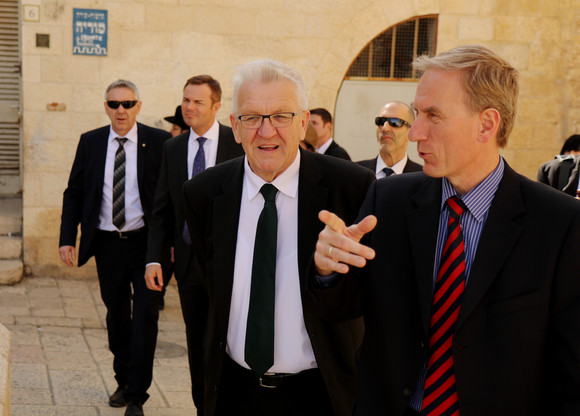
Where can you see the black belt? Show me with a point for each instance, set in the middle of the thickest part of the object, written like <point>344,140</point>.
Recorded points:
<point>270,380</point>
<point>123,234</point>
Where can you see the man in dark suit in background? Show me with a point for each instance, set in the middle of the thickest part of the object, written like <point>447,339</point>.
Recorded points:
<point>471,295</point>
<point>304,365</point>
<point>321,120</point>
<point>110,193</point>
<point>563,172</point>
<point>393,126</point>
<point>206,144</point>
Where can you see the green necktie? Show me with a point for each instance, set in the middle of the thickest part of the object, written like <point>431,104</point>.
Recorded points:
<point>259,351</point>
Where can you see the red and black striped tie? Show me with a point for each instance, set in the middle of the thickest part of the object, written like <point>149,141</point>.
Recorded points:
<point>440,394</point>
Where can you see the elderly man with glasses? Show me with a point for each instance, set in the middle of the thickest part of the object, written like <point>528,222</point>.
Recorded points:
<point>393,126</point>
<point>110,194</point>
<point>253,223</point>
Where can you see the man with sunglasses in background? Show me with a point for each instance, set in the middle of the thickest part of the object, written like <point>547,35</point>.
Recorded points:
<point>393,126</point>
<point>110,193</point>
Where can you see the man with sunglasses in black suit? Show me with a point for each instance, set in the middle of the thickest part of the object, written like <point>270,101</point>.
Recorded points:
<point>393,126</point>
<point>110,193</point>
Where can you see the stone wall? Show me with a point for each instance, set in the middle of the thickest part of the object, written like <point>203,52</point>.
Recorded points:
<point>160,43</point>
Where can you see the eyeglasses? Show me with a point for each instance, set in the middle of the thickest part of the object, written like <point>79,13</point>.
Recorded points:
<point>126,104</point>
<point>393,122</point>
<point>254,121</point>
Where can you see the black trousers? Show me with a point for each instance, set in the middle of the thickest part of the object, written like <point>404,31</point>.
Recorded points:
<point>132,309</point>
<point>240,394</point>
<point>194,307</point>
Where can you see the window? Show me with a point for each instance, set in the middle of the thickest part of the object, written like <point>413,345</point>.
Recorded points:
<point>389,56</point>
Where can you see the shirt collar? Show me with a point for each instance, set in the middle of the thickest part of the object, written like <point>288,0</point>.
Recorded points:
<point>324,147</point>
<point>397,167</point>
<point>286,182</point>
<point>479,199</point>
<point>212,134</point>
<point>131,134</point>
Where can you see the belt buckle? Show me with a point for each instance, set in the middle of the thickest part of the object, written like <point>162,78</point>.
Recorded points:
<point>123,235</point>
<point>266,385</point>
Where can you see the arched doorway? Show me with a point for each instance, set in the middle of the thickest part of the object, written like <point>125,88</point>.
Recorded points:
<point>381,73</point>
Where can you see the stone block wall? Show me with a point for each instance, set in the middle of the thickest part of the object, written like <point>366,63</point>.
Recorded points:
<point>158,44</point>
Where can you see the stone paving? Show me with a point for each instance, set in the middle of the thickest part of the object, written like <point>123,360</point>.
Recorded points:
<point>60,361</point>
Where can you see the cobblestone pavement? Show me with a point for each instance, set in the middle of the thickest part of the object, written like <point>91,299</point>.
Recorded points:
<point>60,361</point>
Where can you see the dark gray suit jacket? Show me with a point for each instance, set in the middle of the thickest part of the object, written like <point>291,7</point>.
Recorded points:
<point>337,151</point>
<point>84,193</point>
<point>212,208</point>
<point>550,174</point>
<point>516,343</point>
<point>168,219</point>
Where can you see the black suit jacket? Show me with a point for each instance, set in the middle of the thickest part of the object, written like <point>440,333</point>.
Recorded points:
<point>517,338</point>
<point>410,166</point>
<point>549,173</point>
<point>212,208</point>
<point>335,150</point>
<point>83,195</point>
<point>168,219</point>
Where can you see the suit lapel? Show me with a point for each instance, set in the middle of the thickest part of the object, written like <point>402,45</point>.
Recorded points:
<point>226,214</point>
<point>499,235</point>
<point>142,147</point>
<point>99,158</point>
<point>423,223</point>
<point>182,147</point>
<point>312,198</point>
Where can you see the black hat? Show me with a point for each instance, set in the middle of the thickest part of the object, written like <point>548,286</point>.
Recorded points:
<point>177,119</point>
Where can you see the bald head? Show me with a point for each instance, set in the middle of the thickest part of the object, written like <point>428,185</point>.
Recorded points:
<point>393,140</point>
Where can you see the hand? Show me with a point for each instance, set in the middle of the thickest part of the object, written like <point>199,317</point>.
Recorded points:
<point>154,277</point>
<point>67,254</point>
<point>338,245</point>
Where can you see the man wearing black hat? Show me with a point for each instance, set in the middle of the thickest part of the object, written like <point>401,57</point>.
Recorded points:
<point>206,144</point>
<point>178,125</point>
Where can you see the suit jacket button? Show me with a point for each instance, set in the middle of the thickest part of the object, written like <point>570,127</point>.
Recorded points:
<point>407,392</point>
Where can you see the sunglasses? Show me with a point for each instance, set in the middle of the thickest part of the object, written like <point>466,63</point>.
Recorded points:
<point>126,104</point>
<point>393,122</point>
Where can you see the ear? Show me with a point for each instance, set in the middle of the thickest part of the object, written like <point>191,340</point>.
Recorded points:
<point>489,125</point>
<point>216,106</point>
<point>304,123</point>
<point>234,122</point>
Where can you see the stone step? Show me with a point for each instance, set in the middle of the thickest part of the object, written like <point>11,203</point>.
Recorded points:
<point>10,216</point>
<point>10,248</point>
<point>10,271</point>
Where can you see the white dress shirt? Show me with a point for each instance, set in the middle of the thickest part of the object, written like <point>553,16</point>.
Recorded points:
<point>133,208</point>
<point>209,148</point>
<point>397,168</point>
<point>292,348</point>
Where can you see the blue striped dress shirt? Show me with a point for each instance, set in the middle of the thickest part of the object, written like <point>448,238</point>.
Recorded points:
<point>478,200</point>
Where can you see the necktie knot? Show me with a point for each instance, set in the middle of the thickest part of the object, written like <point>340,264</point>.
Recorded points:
<point>456,207</point>
<point>201,141</point>
<point>121,140</point>
<point>388,171</point>
<point>269,192</point>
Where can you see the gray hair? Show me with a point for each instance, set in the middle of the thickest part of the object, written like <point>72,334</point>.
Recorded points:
<point>122,83</point>
<point>268,70</point>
